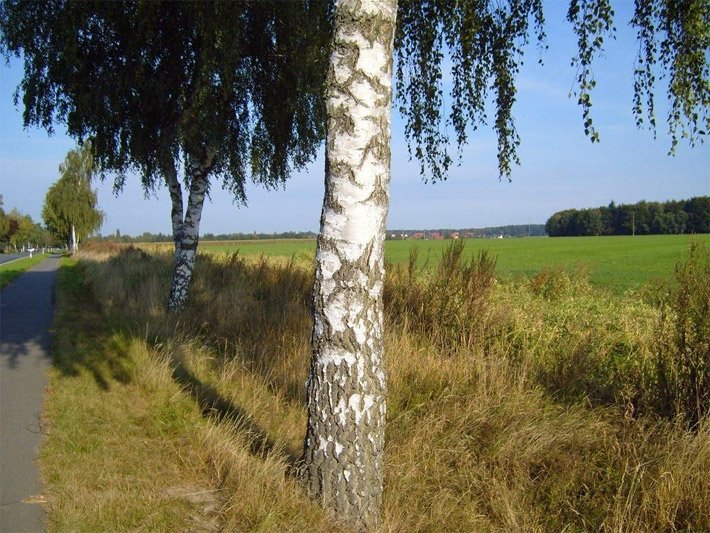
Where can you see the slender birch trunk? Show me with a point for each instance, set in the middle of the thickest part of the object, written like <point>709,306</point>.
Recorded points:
<point>344,445</point>
<point>72,240</point>
<point>187,238</point>
<point>175,190</point>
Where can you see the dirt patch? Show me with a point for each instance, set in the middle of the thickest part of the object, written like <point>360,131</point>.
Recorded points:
<point>206,502</point>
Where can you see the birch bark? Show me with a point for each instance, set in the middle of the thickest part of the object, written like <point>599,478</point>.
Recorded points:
<point>175,190</point>
<point>72,240</point>
<point>344,445</point>
<point>187,238</point>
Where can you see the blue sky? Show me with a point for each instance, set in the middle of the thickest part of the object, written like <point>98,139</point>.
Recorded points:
<point>560,167</point>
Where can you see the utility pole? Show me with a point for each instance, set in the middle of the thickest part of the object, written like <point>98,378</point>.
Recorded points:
<point>633,223</point>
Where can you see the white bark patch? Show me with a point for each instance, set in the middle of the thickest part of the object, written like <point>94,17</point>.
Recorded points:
<point>336,311</point>
<point>329,263</point>
<point>336,356</point>
<point>371,62</point>
<point>360,405</point>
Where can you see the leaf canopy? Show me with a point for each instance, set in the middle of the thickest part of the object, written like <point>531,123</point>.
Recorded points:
<point>70,200</point>
<point>153,82</point>
<point>150,78</point>
<point>482,43</point>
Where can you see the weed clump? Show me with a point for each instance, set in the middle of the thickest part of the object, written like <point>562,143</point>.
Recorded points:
<point>682,347</point>
<point>449,304</point>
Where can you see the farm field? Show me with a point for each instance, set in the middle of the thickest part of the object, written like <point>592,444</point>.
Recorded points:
<point>617,263</point>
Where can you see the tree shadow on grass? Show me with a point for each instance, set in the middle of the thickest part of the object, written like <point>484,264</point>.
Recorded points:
<point>268,311</point>
<point>83,340</point>
<point>215,405</point>
<point>100,344</point>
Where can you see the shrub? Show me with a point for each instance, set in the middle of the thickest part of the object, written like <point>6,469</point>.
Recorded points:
<point>550,283</point>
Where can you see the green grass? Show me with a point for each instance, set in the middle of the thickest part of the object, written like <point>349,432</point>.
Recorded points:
<point>301,248</point>
<point>616,263</point>
<point>9,271</point>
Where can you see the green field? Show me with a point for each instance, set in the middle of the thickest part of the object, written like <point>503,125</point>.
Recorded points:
<point>9,271</point>
<point>617,263</point>
<point>301,248</point>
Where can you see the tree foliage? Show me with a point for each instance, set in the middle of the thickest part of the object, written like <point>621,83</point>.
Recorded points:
<point>70,201</point>
<point>486,42</point>
<point>218,88</point>
<point>642,218</point>
<point>156,82</point>
<point>674,35</point>
<point>18,230</point>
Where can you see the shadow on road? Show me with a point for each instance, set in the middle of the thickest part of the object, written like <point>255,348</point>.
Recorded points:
<point>26,310</point>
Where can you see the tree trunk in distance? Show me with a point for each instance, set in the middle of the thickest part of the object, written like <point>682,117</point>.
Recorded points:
<point>186,245</point>
<point>344,445</point>
<point>72,240</point>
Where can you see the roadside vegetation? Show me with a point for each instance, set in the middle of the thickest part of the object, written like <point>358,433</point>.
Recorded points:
<point>541,404</point>
<point>10,270</point>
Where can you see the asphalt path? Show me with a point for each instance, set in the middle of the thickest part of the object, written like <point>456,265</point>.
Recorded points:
<point>6,258</point>
<point>26,312</point>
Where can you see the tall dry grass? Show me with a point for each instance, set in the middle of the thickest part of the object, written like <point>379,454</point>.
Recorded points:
<point>512,407</point>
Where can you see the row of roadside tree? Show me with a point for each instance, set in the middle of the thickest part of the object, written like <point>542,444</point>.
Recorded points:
<point>642,218</point>
<point>18,231</point>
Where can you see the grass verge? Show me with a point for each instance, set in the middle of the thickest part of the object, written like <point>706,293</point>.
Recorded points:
<point>9,271</point>
<point>134,443</point>
<point>512,408</point>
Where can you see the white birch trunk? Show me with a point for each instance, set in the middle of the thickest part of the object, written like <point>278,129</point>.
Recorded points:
<point>73,247</point>
<point>175,190</point>
<point>344,445</point>
<point>189,234</point>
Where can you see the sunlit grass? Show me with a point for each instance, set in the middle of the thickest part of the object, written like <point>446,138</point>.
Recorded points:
<point>147,436</point>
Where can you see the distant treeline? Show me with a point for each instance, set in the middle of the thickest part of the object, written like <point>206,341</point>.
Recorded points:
<point>521,230</point>
<point>642,218</point>
<point>162,237</point>
<point>532,230</point>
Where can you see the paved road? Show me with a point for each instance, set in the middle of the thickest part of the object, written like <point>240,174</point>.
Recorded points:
<point>26,310</point>
<point>4,258</point>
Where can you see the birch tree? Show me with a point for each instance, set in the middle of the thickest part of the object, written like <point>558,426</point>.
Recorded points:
<point>346,386</point>
<point>182,93</point>
<point>70,208</point>
<point>485,41</point>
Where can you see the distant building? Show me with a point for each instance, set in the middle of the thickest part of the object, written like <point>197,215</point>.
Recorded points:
<point>455,235</point>
<point>437,236</point>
